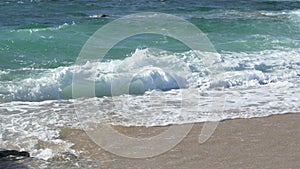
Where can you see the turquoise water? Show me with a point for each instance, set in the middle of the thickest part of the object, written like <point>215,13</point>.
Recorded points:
<point>40,35</point>
<point>258,44</point>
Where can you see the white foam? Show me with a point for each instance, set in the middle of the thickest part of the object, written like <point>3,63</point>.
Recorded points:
<point>159,70</point>
<point>159,109</point>
<point>44,154</point>
<point>293,15</point>
<point>3,72</point>
<point>32,30</point>
<point>257,84</point>
<point>49,84</point>
<point>26,124</point>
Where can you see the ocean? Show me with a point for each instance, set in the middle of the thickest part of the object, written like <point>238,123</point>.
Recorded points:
<point>257,44</point>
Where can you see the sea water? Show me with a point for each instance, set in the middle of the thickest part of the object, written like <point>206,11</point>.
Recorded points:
<point>258,45</point>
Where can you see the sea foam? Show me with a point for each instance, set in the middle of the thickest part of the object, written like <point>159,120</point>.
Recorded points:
<point>148,69</point>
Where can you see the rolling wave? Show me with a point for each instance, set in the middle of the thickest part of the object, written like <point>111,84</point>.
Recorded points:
<point>149,69</point>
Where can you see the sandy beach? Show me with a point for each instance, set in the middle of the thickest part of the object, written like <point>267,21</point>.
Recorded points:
<point>269,142</point>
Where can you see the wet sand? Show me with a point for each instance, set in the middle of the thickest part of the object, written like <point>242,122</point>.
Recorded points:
<point>269,142</point>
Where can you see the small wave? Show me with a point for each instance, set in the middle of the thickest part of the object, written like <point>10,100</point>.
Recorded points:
<point>3,72</point>
<point>37,28</point>
<point>293,15</point>
<point>238,14</point>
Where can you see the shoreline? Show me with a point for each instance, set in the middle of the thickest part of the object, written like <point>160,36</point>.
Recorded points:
<point>272,141</point>
<point>260,142</point>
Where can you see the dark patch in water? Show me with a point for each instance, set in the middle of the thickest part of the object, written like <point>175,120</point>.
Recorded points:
<point>262,67</point>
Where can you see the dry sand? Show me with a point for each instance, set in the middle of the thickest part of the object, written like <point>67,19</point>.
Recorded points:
<point>269,142</point>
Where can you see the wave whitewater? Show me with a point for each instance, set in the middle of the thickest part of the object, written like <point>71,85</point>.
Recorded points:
<point>149,69</point>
